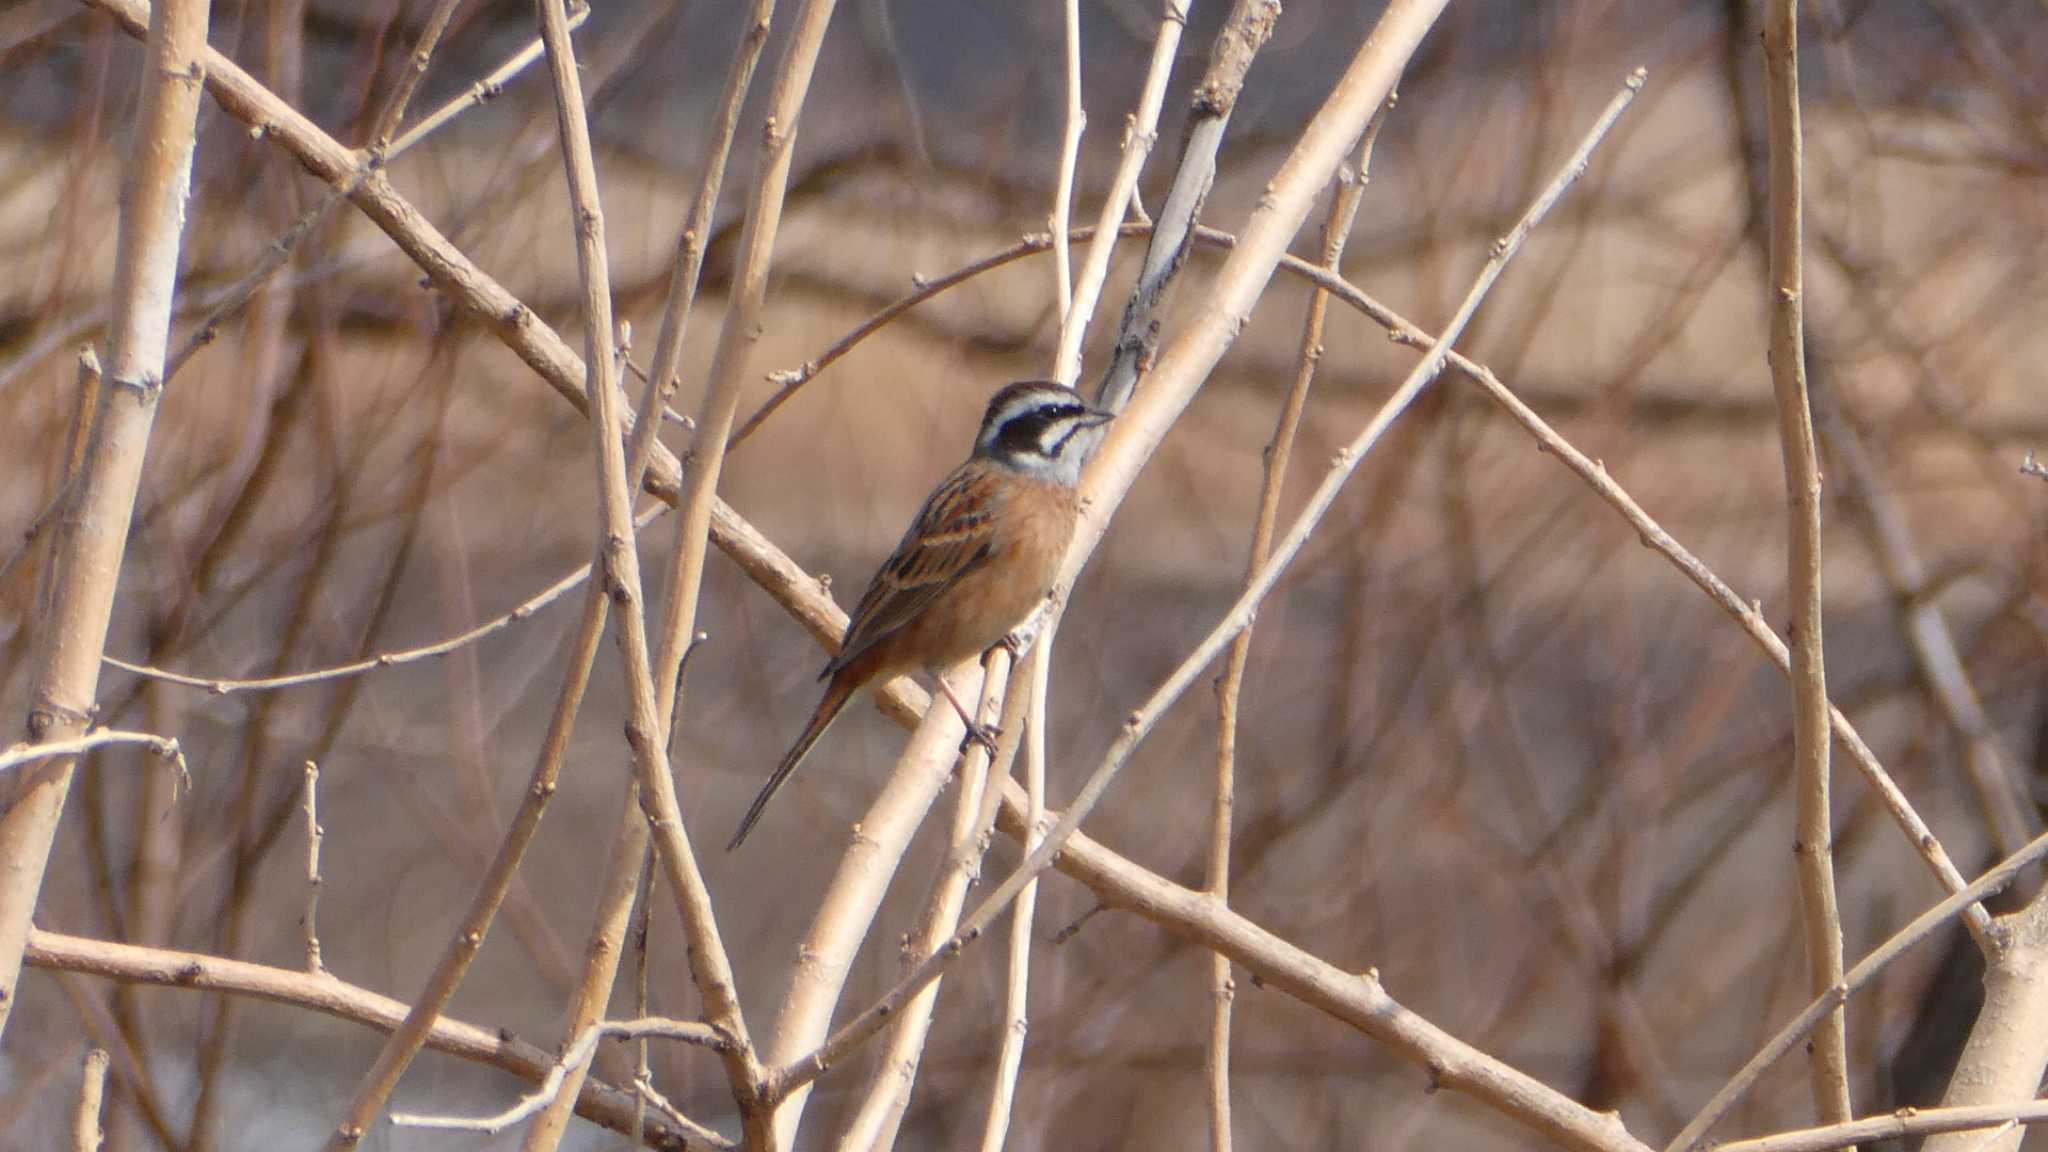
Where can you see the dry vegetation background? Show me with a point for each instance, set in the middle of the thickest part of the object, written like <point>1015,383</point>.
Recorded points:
<point>1490,745</point>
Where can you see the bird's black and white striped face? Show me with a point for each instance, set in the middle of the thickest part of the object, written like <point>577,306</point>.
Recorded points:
<point>1041,428</point>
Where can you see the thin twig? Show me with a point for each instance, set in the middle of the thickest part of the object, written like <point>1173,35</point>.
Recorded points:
<point>1900,1125</point>
<point>164,747</point>
<point>1799,1027</point>
<point>643,1070</point>
<point>86,1133</point>
<point>322,993</point>
<point>416,65</point>
<point>1146,716</point>
<point>1813,841</point>
<point>1141,131</point>
<point>1343,211</point>
<point>578,1054</point>
<point>311,921</point>
<point>1070,158</point>
<point>526,609</point>
<point>1016,989</point>
<point>102,1030</point>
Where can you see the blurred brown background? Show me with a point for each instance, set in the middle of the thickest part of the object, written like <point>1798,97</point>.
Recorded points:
<point>1492,746</point>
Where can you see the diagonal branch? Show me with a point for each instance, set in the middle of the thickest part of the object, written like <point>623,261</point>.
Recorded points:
<point>322,992</point>
<point>84,565</point>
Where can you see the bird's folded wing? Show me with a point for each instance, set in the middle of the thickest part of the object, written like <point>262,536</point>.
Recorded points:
<point>954,534</point>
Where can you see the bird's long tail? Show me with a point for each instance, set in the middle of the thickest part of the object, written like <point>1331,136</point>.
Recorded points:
<point>837,695</point>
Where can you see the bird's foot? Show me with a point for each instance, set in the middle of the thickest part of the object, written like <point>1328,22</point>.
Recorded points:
<point>982,734</point>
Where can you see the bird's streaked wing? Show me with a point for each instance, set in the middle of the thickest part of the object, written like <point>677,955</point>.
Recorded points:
<point>952,536</point>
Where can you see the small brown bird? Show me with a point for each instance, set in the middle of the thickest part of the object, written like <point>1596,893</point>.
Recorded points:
<point>982,553</point>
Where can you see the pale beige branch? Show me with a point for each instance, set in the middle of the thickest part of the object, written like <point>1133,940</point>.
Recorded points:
<point>577,1055</point>
<point>323,993</point>
<point>310,919</point>
<point>162,747</point>
<point>623,864</point>
<point>1141,131</point>
<point>416,65</point>
<point>1244,32</point>
<point>524,610</point>
<point>84,563</point>
<point>2007,1051</point>
<point>709,964</point>
<point>1017,986</point>
<point>1905,1123</point>
<point>86,1133</point>
<point>1070,158</point>
<point>1813,846</point>
<point>889,1086</point>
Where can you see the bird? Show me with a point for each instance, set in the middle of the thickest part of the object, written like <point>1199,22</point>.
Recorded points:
<point>976,562</point>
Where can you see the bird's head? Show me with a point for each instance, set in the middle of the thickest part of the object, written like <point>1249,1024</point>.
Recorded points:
<point>1041,428</point>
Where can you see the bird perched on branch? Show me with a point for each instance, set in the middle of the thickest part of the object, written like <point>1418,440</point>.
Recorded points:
<point>980,557</point>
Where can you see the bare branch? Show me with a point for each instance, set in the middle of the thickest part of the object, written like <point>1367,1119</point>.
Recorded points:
<point>625,861</point>
<point>1141,130</point>
<point>526,609</point>
<point>1356,999</point>
<point>322,993</point>
<point>86,1133</point>
<point>1904,1123</point>
<point>1813,843</point>
<point>888,1091</point>
<point>577,1056</point>
<point>84,563</point>
<point>165,748</point>
<point>1802,1025</point>
<point>310,922</point>
<point>1244,32</point>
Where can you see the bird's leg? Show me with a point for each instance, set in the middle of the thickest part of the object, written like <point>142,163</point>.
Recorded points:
<point>977,733</point>
<point>1024,635</point>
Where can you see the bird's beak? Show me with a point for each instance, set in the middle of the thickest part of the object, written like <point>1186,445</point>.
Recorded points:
<point>1096,417</point>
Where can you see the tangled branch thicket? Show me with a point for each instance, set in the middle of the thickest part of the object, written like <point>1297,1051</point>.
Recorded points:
<point>1673,783</point>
